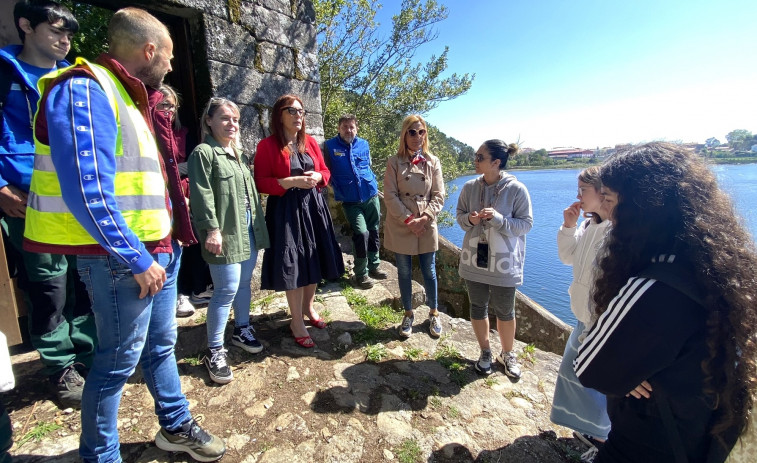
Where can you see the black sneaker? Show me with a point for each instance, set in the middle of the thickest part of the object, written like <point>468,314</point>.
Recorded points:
<point>192,439</point>
<point>364,282</point>
<point>244,337</point>
<point>69,386</point>
<point>406,328</point>
<point>378,274</point>
<point>219,369</point>
<point>484,363</point>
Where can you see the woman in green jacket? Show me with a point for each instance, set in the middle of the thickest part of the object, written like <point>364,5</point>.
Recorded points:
<point>227,213</point>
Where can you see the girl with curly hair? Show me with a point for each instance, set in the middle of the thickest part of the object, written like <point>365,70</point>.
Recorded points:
<point>675,295</point>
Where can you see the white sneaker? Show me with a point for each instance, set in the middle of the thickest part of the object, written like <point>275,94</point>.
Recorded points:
<point>183,307</point>
<point>510,362</point>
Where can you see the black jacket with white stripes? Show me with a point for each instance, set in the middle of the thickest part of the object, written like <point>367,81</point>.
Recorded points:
<point>650,331</point>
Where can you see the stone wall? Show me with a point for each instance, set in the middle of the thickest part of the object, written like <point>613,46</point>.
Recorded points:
<point>249,51</point>
<point>252,52</point>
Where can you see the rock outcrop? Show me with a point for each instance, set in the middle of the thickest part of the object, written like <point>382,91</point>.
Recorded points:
<point>360,395</point>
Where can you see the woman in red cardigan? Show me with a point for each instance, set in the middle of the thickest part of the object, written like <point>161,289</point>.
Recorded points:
<point>289,167</point>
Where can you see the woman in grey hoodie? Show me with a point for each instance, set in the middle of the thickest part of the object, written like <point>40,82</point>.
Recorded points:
<point>495,212</point>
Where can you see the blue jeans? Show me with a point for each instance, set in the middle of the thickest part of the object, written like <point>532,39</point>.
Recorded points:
<point>130,331</point>
<point>405,277</point>
<point>231,286</point>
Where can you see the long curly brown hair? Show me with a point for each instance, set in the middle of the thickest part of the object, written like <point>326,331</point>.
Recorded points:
<point>670,202</point>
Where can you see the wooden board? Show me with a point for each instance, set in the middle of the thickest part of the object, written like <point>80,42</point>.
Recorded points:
<point>8,307</point>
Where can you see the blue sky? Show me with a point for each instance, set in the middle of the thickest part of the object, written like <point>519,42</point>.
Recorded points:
<point>591,73</point>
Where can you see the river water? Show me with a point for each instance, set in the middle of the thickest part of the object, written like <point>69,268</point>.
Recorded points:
<point>546,278</point>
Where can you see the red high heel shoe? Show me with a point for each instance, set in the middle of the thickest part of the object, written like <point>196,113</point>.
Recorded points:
<point>318,323</point>
<point>304,341</point>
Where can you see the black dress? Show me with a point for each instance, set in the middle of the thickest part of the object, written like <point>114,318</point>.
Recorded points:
<point>303,245</point>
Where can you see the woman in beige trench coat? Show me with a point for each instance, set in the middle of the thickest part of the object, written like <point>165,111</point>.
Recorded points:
<point>414,195</point>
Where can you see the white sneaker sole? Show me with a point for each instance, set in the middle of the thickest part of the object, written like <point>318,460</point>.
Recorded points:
<point>163,444</point>
<point>245,347</point>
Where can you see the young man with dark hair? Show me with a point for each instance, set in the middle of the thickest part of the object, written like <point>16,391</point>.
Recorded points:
<point>61,324</point>
<point>354,183</point>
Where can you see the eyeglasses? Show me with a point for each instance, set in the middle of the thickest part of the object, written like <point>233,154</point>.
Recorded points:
<point>581,190</point>
<point>166,106</point>
<point>414,132</point>
<point>479,157</point>
<point>295,111</point>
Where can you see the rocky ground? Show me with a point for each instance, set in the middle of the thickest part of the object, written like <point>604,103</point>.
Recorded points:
<point>362,395</point>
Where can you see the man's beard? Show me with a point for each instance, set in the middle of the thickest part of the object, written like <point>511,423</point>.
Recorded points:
<point>151,76</point>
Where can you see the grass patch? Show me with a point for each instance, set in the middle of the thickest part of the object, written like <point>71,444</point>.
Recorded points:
<point>370,335</point>
<point>376,318</point>
<point>528,354</point>
<point>435,402</point>
<point>448,356</point>
<point>202,318</point>
<point>414,353</point>
<point>490,381</point>
<point>375,352</point>
<point>453,412</point>
<point>194,361</point>
<point>409,451</point>
<point>326,315</point>
<point>264,301</point>
<point>38,432</point>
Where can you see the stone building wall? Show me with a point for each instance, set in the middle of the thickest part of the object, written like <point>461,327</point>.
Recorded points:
<point>250,51</point>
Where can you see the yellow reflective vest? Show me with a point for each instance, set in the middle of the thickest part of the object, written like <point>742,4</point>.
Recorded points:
<point>139,184</point>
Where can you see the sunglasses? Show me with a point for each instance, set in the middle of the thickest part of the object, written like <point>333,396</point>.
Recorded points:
<point>294,111</point>
<point>479,157</point>
<point>414,132</point>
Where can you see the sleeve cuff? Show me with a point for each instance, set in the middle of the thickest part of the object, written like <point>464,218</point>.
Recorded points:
<point>143,263</point>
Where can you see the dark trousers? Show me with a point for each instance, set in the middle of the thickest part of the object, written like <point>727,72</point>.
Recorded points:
<point>61,324</point>
<point>6,434</point>
<point>364,219</point>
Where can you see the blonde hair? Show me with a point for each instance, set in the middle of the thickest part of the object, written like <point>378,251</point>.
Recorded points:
<point>402,149</point>
<point>131,28</point>
<point>210,109</point>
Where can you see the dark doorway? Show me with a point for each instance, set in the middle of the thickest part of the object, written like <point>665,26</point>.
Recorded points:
<point>94,15</point>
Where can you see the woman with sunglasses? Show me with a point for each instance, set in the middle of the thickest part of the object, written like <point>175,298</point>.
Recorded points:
<point>494,210</point>
<point>290,168</point>
<point>227,212</point>
<point>414,195</point>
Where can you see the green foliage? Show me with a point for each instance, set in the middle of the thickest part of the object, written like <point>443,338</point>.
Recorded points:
<point>38,432</point>
<point>740,139</point>
<point>413,353</point>
<point>377,317</point>
<point>538,158</point>
<point>92,38</point>
<point>194,361</point>
<point>375,74</point>
<point>528,354</point>
<point>409,451</point>
<point>375,352</point>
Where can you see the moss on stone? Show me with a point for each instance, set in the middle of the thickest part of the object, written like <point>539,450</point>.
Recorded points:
<point>235,11</point>
<point>296,59</point>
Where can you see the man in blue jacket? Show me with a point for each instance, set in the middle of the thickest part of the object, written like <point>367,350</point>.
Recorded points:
<point>61,324</point>
<point>354,184</point>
